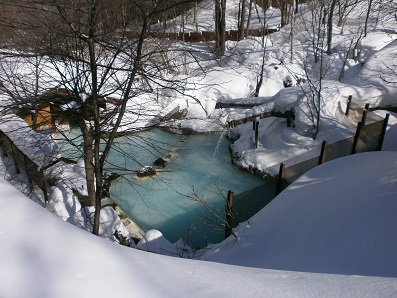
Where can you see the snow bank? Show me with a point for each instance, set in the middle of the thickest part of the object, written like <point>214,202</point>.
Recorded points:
<point>110,222</point>
<point>337,218</point>
<point>41,256</point>
<point>379,71</point>
<point>154,241</point>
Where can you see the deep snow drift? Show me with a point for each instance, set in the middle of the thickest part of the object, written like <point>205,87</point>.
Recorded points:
<point>337,218</point>
<point>307,228</point>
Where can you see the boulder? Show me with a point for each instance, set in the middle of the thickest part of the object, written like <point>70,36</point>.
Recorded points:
<point>146,171</point>
<point>160,163</point>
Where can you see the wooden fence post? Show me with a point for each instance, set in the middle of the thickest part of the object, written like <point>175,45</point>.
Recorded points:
<point>289,118</point>
<point>383,132</point>
<point>3,151</point>
<point>356,137</point>
<point>364,116</point>
<point>14,157</point>
<point>256,133</point>
<point>27,172</point>
<point>280,179</point>
<point>323,152</point>
<point>43,187</point>
<point>229,214</point>
<point>349,101</point>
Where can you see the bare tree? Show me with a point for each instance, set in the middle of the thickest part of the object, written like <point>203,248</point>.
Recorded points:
<point>249,16</point>
<point>354,41</point>
<point>94,51</point>
<point>330,22</point>
<point>316,65</point>
<point>345,7</point>
<point>292,32</point>
<point>242,10</point>
<point>263,19</point>
<point>220,27</point>
<point>315,27</point>
<point>369,7</point>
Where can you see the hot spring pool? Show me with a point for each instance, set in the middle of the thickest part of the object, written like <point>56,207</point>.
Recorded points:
<point>198,166</point>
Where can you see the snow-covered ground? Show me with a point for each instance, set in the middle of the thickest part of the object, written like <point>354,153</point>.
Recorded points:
<point>331,233</point>
<point>327,235</point>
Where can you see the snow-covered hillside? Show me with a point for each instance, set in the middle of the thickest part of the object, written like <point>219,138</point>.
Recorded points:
<point>330,233</point>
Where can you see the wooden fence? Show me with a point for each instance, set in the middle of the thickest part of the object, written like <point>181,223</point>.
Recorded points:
<point>369,136</point>
<point>203,36</point>
<point>22,161</point>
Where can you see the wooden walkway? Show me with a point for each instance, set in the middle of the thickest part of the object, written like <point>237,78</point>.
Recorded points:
<point>249,103</point>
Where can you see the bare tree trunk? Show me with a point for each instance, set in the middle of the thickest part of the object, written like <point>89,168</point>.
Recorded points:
<point>249,17</point>
<point>242,20</point>
<point>283,13</point>
<point>220,20</point>
<point>367,17</point>
<point>195,16</point>
<point>88,160</point>
<point>164,23</point>
<point>292,31</point>
<point>259,79</point>
<point>330,23</point>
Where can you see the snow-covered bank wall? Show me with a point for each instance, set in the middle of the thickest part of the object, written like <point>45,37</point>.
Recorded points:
<point>29,150</point>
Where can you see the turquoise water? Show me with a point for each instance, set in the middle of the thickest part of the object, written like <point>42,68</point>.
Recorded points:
<point>199,166</point>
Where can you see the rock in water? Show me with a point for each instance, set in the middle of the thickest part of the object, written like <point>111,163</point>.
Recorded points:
<point>146,171</point>
<point>161,163</point>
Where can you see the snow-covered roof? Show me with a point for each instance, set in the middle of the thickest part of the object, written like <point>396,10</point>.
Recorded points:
<point>36,146</point>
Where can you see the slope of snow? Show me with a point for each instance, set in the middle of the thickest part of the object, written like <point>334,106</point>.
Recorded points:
<point>41,256</point>
<point>337,218</point>
<point>379,72</point>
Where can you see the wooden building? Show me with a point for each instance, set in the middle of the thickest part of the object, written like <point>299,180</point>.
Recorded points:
<point>48,111</point>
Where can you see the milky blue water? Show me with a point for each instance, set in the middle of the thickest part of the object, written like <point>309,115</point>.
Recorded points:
<point>199,167</point>
<point>184,199</point>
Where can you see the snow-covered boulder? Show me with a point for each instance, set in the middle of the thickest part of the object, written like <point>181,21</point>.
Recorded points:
<point>110,223</point>
<point>154,241</point>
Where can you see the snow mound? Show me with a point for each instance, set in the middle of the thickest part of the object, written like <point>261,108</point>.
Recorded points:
<point>337,218</point>
<point>154,241</point>
<point>379,71</point>
<point>46,257</point>
<point>110,223</point>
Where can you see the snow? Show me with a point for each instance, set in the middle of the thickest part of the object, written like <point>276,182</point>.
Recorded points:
<point>330,233</point>
<point>326,222</point>
<point>46,257</point>
<point>205,16</point>
<point>38,147</point>
<point>381,63</point>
